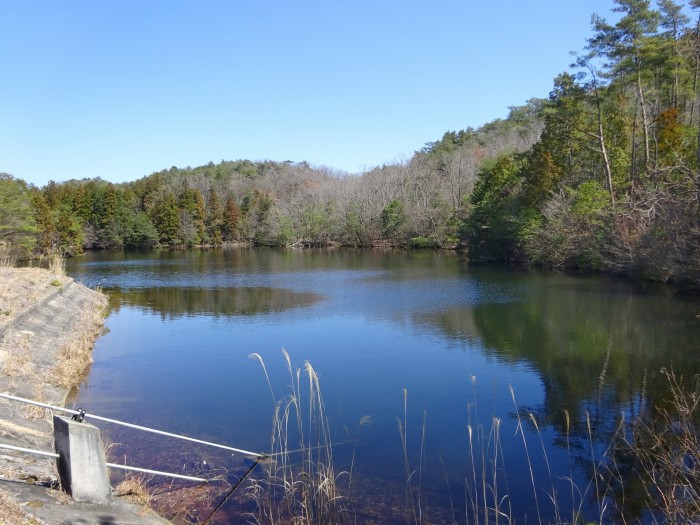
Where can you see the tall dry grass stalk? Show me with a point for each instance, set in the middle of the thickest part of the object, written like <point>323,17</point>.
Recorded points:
<point>8,258</point>
<point>300,484</point>
<point>486,486</point>
<point>57,264</point>
<point>660,447</point>
<point>416,504</point>
<point>556,499</point>
<point>665,446</point>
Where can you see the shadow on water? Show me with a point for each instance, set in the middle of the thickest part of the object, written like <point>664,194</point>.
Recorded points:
<point>172,302</point>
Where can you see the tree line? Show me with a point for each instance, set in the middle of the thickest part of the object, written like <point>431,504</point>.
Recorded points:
<point>603,174</point>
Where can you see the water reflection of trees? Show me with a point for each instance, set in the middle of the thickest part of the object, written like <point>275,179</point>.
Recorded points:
<point>595,343</point>
<point>226,302</point>
<point>599,347</point>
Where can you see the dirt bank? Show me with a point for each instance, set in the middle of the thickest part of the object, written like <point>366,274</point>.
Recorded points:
<point>48,326</point>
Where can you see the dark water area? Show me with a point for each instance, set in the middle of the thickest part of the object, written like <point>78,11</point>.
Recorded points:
<point>433,349</point>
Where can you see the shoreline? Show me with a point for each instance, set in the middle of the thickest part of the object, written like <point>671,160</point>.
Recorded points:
<point>637,276</point>
<point>48,327</point>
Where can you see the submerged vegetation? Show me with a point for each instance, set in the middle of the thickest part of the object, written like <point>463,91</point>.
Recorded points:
<point>603,174</point>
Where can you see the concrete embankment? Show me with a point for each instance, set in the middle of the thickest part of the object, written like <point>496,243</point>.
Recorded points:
<point>48,325</point>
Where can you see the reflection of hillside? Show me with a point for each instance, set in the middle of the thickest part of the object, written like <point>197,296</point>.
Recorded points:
<point>595,346</point>
<point>598,353</point>
<point>176,301</point>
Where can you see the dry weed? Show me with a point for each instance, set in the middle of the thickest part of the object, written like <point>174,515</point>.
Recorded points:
<point>300,484</point>
<point>73,362</point>
<point>18,361</point>
<point>185,504</point>
<point>666,448</point>
<point>21,288</point>
<point>8,259</point>
<point>74,357</point>
<point>57,264</point>
<point>11,512</point>
<point>34,412</point>
<point>135,488</point>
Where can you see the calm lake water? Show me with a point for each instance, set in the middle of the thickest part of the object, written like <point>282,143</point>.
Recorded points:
<point>468,344</point>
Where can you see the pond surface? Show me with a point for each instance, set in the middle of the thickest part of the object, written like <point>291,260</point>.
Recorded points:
<point>422,342</point>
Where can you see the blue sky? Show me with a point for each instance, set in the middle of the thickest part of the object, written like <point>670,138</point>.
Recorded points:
<point>121,89</point>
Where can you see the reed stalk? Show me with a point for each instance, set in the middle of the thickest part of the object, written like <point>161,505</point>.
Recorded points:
<point>300,484</point>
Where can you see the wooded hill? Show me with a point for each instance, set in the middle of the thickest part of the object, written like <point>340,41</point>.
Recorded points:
<point>602,175</point>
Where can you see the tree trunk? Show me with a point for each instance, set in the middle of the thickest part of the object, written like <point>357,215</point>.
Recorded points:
<point>601,138</point>
<point>645,121</point>
<point>697,99</point>
<point>608,172</point>
<point>633,166</point>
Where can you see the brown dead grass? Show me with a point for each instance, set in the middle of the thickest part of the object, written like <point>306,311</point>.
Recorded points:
<point>17,362</point>
<point>21,288</point>
<point>74,357</point>
<point>135,488</point>
<point>189,504</point>
<point>34,412</point>
<point>10,511</point>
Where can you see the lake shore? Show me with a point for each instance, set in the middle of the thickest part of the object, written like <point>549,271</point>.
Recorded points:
<point>48,327</point>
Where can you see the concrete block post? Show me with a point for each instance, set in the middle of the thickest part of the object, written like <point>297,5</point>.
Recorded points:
<point>82,466</point>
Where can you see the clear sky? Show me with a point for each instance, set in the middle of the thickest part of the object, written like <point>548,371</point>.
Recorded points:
<point>120,89</point>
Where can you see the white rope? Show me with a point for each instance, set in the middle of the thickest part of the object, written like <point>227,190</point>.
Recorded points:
<point>137,469</point>
<point>30,451</point>
<point>111,465</point>
<point>131,425</point>
<point>157,472</point>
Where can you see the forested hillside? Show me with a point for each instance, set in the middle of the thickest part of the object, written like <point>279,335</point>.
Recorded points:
<point>423,201</point>
<point>602,175</point>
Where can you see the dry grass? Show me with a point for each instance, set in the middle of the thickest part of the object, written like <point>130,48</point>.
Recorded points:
<point>22,288</point>
<point>74,357</point>
<point>135,488</point>
<point>666,452</point>
<point>8,259</point>
<point>10,511</point>
<point>659,451</point>
<point>300,485</point>
<point>57,264</point>
<point>185,504</point>
<point>18,361</point>
<point>34,412</point>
